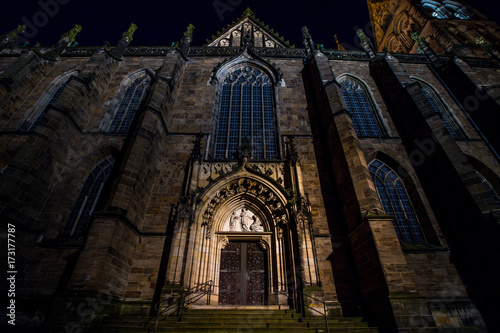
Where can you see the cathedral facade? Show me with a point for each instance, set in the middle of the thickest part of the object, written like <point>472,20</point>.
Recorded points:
<point>361,182</point>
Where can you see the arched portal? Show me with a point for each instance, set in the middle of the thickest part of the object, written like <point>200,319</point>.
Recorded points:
<point>239,239</point>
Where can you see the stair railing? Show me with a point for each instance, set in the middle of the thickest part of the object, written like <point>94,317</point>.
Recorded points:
<point>298,300</point>
<point>178,304</point>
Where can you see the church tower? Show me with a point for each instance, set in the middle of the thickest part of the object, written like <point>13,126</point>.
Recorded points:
<point>448,26</point>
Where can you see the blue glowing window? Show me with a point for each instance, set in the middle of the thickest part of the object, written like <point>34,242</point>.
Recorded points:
<point>246,111</point>
<point>396,202</point>
<point>135,93</point>
<point>448,119</point>
<point>447,9</point>
<point>79,218</point>
<point>364,119</point>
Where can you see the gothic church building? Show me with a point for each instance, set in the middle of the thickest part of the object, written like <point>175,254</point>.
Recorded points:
<point>250,174</point>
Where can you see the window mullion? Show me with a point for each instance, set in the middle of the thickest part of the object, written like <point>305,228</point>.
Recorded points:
<point>240,127</point>
<point>263,122</point>
<point>251,118</point>
<point>127,109</point>
<point>230,108</point>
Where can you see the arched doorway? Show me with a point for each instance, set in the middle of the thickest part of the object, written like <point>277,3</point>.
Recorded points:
<point>245,240</point>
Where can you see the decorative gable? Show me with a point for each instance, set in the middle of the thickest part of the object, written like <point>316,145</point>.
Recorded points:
<point>248,30</point>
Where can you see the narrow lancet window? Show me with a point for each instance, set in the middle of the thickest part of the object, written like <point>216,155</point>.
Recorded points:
<point>129,104</point>
<point>396,202</point>
<point>79,218</point>
<point>449,120</point>
<point>41,107</point>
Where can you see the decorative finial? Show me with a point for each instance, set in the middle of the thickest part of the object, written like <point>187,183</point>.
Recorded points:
<point>418,40</point>
<point>362,37</point>
<point>130,32</point>
<point>67,40</point>
<point>189,31</point>
<point>248,12</point>
<point>339,46</point>
<point>366,43</point>
<point>71,35</point>
<point>305,32</point>
<point>485,46</point>
<point>423,47</point>
<point>117,53</point>
<point>11,37</point>
<point>308,41</point>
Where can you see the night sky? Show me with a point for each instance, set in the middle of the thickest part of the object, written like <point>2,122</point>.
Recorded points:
<point>161,22</point>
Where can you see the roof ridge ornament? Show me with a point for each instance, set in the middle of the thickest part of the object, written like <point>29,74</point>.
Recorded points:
<point>66,40</point>
<point>127,37</point>
<point>366,44</point>
<point>248,13</point>
<point>10,38</point>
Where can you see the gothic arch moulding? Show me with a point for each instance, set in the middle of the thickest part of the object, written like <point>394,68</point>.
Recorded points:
<point>262,200</point>
<point>246,58</point>
<point>247,199</point>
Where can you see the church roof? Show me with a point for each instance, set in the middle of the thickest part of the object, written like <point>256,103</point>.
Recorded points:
<point>248,27</point>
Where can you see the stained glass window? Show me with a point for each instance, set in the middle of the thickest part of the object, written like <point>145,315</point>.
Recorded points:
<point>78,220</point>
<point>134,94</point>
<point>447,9</point>
<point>396,202</point>
<point>364,119</point>
<point>449,120</point>
<point>246,111</point>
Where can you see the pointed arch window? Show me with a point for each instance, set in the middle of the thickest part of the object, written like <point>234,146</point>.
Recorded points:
<point>364,118</point>
<point>43,104</point>
<point>135,93</point>
<point>79,218</point>
<point>451,124</point>
<point>491,191</point>
<point>396,202</point>
<point>246,113</point>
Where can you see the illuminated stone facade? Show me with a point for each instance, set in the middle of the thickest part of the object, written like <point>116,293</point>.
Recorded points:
<point>131,173</point>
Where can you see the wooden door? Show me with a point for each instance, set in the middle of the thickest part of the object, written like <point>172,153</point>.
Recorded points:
<point>242,274</point>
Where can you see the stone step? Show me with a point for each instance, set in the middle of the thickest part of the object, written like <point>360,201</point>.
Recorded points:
<point>235,320</point>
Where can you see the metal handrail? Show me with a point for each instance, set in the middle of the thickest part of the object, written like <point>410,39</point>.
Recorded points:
<point>181,301</point>
<point>295,298</point>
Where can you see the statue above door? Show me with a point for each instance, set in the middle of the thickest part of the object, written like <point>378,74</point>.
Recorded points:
<point>243,220</point>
